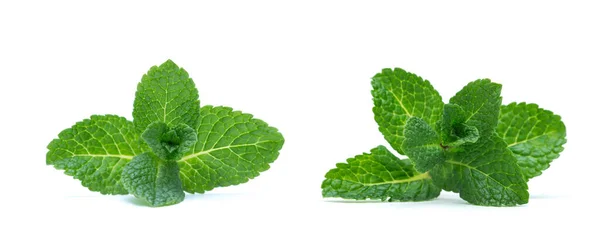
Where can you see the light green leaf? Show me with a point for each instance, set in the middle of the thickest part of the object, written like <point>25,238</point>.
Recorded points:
<point>484,173</point>
<point>232,148</point>
<point>153,180</point>
<point>95,151</point>
<point>399,95</point>
<point>480,100</point>
<point>422,145</point>
<point>378,175</point>
<point>452,128</point>
<point>534,135</point>
<point>170,143</point>
<point>166,94</point>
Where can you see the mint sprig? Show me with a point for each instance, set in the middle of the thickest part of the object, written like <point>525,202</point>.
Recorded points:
<point>173,145</point>
<point>473,145</point>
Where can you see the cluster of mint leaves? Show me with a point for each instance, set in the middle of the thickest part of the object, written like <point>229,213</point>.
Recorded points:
<point>474,145</point>
<point>173,144</point>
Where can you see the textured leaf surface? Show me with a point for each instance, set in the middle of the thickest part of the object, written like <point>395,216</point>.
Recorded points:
<point>95,151</point>
<point>232,148</point>
<point>452,128</point>
<point>166,94</point>
<point>153,180</point>
<point>480,100</point>
<point>484,173</point>
<point>378,175</point>
<point>422,145</point>
<point>534,135</point>
<point>170,143</point>
<point>399,95</point>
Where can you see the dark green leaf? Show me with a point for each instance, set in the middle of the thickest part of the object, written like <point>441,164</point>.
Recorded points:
<point>422,145</point>
<point>167,143</point>
<point>153,180</point>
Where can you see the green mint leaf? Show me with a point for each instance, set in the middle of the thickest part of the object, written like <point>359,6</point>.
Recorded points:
<point>232,148</point>
<point>422,145</point>
<point>153,180</point>
<point>170,143</point>
<point>378,175</point>
<point>95,151</point>
<point>484,173</point>
<point>399,95</point>
<point>452,128</point>
<point>480,100</point>
<point>166,94</point>
<point>534,135</point>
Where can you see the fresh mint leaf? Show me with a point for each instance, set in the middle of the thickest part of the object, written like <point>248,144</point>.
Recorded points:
<point>232,147</point>
<point>484,173</point>
<point>153,180</point>
<point>452,128</point>
<point>471,146</point>
<point>399,95</point>
<point>422,145</point>
<point>480,100</point>
<point>219,147</point>
<point>166,94</point>
<point>95,151</point>
<point>534,135</point>
<point>378,175</point>
<point>170,143</point>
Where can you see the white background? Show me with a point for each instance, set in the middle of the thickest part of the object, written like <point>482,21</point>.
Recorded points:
<point>305,68</point>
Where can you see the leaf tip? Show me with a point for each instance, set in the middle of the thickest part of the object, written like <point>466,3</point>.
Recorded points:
<point>169,63</point>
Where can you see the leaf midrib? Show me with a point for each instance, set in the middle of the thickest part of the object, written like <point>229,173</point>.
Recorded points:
<point>400,102</point>
<point>530,139</point>
<point>191,156</point>
<point>418,177</point>
<point>122,156</point>
<point>475,112</point>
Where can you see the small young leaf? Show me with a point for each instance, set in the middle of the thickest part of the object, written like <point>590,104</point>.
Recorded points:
<point>378,175</point>
<point>484,173</point>
<point>422,145</point>
<point>153,180</point>
<point>167,143</point>
<point>465,134</point>
<point>480,100</point>
<point>399,95</point>
<point>95,151</point>
<point>452,128</point>
<point>534,135</point>
<point>166,94</point>
<point>232,147</point>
